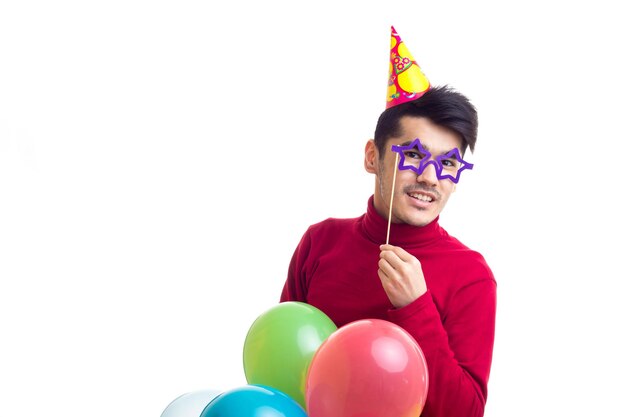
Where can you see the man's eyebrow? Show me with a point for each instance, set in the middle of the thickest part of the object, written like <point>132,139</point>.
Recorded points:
<point>408,142</point>
<point>454,154</point>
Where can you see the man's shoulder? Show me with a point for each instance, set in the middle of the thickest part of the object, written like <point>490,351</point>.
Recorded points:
<point>334,223</point>
<point>464,256</point>
<point>454,243</point>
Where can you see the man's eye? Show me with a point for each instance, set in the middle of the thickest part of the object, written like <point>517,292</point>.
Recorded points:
<point>449,163</point>
<point>413,155</point>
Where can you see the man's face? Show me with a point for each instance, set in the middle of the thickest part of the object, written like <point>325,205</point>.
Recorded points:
<point>418,199</point>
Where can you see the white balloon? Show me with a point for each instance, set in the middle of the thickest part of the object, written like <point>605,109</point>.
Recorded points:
<point>190,404</point>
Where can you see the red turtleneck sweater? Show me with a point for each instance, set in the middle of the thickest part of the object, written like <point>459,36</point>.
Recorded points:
<point>334,268</point>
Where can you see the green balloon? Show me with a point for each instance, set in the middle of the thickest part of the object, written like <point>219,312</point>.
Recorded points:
<point>280,345</point>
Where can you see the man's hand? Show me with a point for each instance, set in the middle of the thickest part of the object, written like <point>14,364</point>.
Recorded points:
<point>401,275</point>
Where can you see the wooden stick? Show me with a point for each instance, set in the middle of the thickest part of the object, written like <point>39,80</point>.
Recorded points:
<point>393,188</point>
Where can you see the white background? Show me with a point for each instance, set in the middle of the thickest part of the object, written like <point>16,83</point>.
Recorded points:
<point>159,162</point>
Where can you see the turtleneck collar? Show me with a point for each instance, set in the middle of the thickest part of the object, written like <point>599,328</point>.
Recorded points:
<point>404,235</point>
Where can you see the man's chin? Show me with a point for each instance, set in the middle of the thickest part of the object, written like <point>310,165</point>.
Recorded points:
<point>418,220</point>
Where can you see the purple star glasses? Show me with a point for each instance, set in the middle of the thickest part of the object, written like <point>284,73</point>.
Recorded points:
<point>414,157</point>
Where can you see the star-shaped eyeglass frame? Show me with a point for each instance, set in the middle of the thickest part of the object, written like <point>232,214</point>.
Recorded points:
<point>436,162</point>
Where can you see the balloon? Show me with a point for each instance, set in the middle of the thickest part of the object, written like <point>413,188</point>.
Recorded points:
<point>190,404</point>
<point>280,345</point>
<point>368,368</point>
<point>253,401</point>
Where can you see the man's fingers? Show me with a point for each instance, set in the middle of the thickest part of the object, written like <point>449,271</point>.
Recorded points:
<point>390,256</point>
<point>400,253</point>
<point>399,260</point>
<point>388,276</point>
<point>385,267</point>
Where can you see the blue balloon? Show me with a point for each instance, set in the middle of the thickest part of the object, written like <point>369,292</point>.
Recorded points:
<point>253,401</point>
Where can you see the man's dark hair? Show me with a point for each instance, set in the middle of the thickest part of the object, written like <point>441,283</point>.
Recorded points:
<point>442,105</point>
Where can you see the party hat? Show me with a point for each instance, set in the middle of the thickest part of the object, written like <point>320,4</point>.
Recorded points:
<point>406,80</point>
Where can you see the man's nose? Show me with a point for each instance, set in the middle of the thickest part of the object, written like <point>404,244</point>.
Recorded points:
<point>429,174</point>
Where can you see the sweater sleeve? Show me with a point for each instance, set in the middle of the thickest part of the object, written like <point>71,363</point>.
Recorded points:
<point>295,288</point>
<point>458,347</point>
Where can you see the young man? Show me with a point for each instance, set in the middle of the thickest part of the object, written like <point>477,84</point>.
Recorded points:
<point>426,281</point>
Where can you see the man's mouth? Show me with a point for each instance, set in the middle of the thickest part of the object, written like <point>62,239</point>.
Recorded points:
<point>421,197</point>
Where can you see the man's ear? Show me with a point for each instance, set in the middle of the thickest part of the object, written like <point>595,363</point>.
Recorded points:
<point>371,157</point>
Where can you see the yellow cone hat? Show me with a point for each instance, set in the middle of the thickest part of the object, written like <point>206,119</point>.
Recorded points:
<point>406,80</point>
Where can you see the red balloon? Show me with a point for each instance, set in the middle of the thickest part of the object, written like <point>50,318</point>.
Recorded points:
<point>367,368</point>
